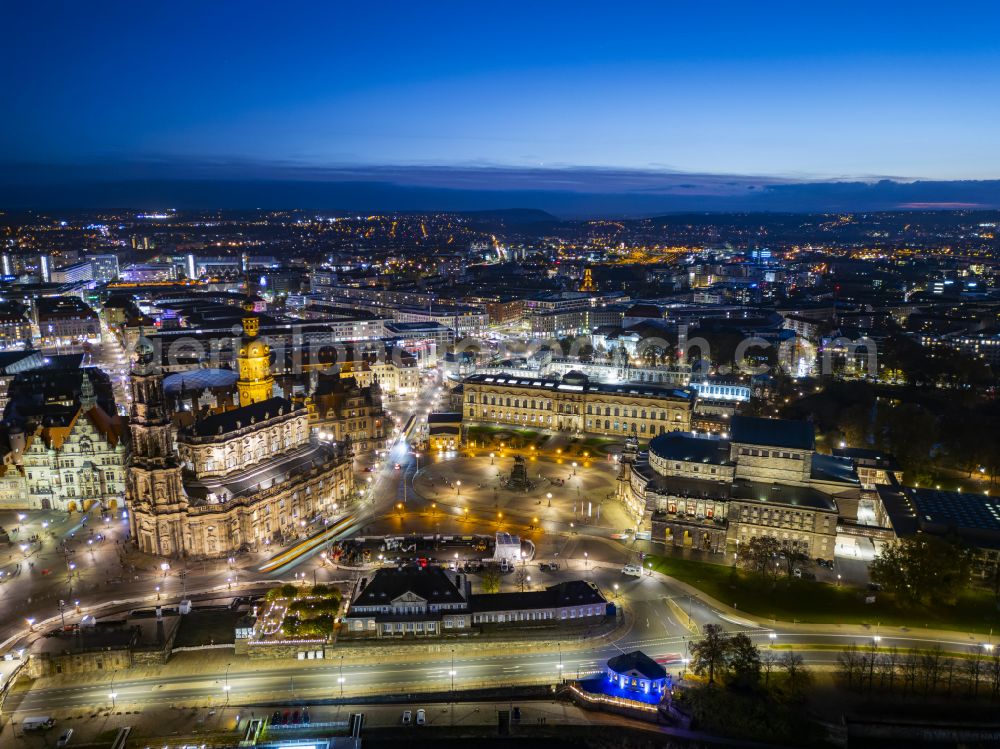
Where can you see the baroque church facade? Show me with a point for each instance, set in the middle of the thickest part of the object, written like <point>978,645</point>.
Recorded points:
<point>232,479</point>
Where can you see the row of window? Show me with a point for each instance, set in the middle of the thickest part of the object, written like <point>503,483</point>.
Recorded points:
<point>756,453</point>
<point>634,412</point>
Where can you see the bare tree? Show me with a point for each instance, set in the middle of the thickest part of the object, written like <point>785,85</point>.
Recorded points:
<point>994,671</point>
<point>950,671</point>
<point>768,660</point>
<point>908,664</point>
<point>887,665</point>
<point>521,577</point>
<point>974,670</point>
<point>849,664</point>
<point>795,671</point>
<point>930,668</point>
<point>870,657</point>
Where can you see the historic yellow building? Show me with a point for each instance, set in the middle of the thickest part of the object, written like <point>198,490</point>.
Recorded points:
<point>254,363</point>
<point>576,404</point>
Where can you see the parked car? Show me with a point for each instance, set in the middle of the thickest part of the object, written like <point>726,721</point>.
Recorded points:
<point>63,740</point>
<point>633,570</point>
<point>276,718</point>
<point>407,717</point>
<point>421,717</point>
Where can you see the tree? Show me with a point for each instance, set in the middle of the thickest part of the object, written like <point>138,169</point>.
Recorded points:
<point>759,555</point>
<point>795,672</point>
<point>931,664</point>
<point>922,569</point>
<point>887,664</point>
<point>850,665</point>
<point>521,577</point>
<point>744,661</point>
<point>709,654</point>
<point>768,660</point>
<point>491,580</point>
<point>794,559</point>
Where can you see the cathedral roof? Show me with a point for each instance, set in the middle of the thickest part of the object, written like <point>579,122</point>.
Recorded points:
<point>244,416</point>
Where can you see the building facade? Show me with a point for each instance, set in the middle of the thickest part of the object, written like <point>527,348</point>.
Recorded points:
<point>74,464</point>
<point>575,404</point>
<point>66,323</point>
<point>403,602</point>
<point>714,494</point>
<point>239,478</point>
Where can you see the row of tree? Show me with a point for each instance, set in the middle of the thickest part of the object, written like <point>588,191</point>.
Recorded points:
<point>737,661</point>
<point>922,672</point>
<point>924,429</point>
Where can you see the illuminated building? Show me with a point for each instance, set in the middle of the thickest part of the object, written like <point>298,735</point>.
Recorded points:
<point>574,403</point>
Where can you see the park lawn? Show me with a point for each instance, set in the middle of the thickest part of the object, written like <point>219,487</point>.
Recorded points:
<point>821,603</point>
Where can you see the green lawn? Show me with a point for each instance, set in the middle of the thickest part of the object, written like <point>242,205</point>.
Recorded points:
<point>814,602</point>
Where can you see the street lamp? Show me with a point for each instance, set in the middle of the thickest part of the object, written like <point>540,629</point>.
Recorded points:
<point>574,468</point>
<point>31,623</point>
<point>458,488</point>
<point>491,458</point>
<point>586,561</point>
<point>340,679</point>
<point>548,495</point>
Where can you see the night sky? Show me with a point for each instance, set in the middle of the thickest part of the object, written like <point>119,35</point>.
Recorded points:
<point>254,90</point>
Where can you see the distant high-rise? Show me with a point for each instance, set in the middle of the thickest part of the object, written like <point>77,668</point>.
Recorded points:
<point>45,268</point>
<point>104,268</point>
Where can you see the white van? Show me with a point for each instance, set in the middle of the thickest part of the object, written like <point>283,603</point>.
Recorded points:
<point>37,723</point>
<point>633,570</point>
<point>63,740</point>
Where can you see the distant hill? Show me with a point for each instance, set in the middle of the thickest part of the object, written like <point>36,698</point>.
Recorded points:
<point>513,216</point>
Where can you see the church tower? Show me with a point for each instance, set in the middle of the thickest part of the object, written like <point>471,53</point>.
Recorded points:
<point>254,362</point>
<point>154,491</point>
<point>588,281</point>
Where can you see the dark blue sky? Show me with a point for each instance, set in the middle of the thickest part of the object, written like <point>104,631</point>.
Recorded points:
<point>798,90</point>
